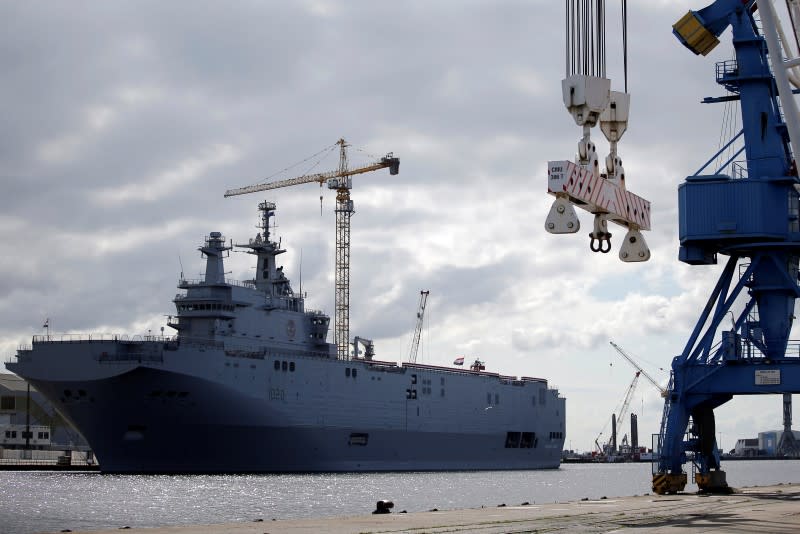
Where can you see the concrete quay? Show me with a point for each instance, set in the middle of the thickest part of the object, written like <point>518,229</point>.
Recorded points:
<point>764,509</point>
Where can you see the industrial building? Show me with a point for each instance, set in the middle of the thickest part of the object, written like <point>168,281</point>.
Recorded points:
<point>35,425</point>
<point>746,447</point>
<point>766,444</point>
<point>769,441</point>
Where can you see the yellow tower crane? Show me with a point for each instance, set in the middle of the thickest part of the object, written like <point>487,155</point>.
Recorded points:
<point>341,181</point>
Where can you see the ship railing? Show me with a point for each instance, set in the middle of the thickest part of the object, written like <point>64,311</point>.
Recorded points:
<point>283,302</point>
<point>534,379</point>
<point>449,369</point>
<point>18,357</point>
<point>186,282</point>
<point>97,338</point>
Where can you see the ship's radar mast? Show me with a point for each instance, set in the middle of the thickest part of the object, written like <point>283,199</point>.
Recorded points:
<point>269,277</point>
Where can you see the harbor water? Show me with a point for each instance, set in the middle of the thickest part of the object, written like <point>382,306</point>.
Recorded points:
<point>53,501</point>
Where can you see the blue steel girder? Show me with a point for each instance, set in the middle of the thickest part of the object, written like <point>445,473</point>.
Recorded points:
<point>702,442</point>
<point>753,217</point>
<point>701,388</point>
<point>738,377</point>
<point>703,379</point>
<point>772,292</point>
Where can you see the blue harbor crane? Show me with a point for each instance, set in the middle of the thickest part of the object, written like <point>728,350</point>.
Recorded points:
<point>749,212</point>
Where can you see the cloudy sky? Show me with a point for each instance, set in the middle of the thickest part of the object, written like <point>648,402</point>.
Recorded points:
<point>123,123</point>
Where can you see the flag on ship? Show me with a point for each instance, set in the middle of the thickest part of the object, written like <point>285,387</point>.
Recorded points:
<point>459,361</point>
<point>46,323</point>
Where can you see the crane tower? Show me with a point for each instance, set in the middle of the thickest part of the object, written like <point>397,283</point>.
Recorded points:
<point>341,181</point>
<point>423,299</point>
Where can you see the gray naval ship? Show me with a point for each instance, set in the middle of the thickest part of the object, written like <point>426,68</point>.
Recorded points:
<point>250,384</point>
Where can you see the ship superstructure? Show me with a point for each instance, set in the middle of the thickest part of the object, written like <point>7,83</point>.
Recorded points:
<point>250,384</point>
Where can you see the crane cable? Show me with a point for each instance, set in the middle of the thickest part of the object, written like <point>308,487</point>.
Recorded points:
<point>625,41</point>
<point>322,153</point>
<point>586,37</point>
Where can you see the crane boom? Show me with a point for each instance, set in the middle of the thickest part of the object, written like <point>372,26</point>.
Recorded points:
<point>423,299</point>
<point>628,397</point>
<point>638,368</point>
<point>622,411</point>
<point>388,160</point>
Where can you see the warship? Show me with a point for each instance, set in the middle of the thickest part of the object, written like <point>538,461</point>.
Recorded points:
<point>249,383</point>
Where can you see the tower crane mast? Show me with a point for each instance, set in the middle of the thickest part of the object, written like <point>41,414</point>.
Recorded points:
<point>341,181</point>
<point>423,299</point>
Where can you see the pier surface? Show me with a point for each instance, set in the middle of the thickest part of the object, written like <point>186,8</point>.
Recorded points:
<point>774,509</point>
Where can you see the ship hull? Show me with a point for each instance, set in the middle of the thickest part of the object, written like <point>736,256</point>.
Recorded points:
<point>153,418</point>
<point>133,432</point>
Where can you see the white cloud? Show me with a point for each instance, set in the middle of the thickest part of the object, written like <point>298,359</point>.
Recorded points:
<point>171,180</point>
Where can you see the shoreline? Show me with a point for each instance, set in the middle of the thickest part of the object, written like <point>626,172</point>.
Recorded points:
<point>751,509</point>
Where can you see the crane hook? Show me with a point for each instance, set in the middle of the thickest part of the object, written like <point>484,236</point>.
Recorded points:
<point>600,239</point>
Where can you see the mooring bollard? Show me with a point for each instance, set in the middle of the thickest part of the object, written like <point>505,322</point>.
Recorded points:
<point>383,507</point>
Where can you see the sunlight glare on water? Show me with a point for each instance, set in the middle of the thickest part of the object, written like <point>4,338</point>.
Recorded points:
<point>48,501</point>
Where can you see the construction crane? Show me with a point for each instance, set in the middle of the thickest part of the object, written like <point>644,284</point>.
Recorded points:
<point>626,402</point>
<point>745,210</point>
<point>638,368</point>
<point>423,298</point>
<point>341,181</point>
